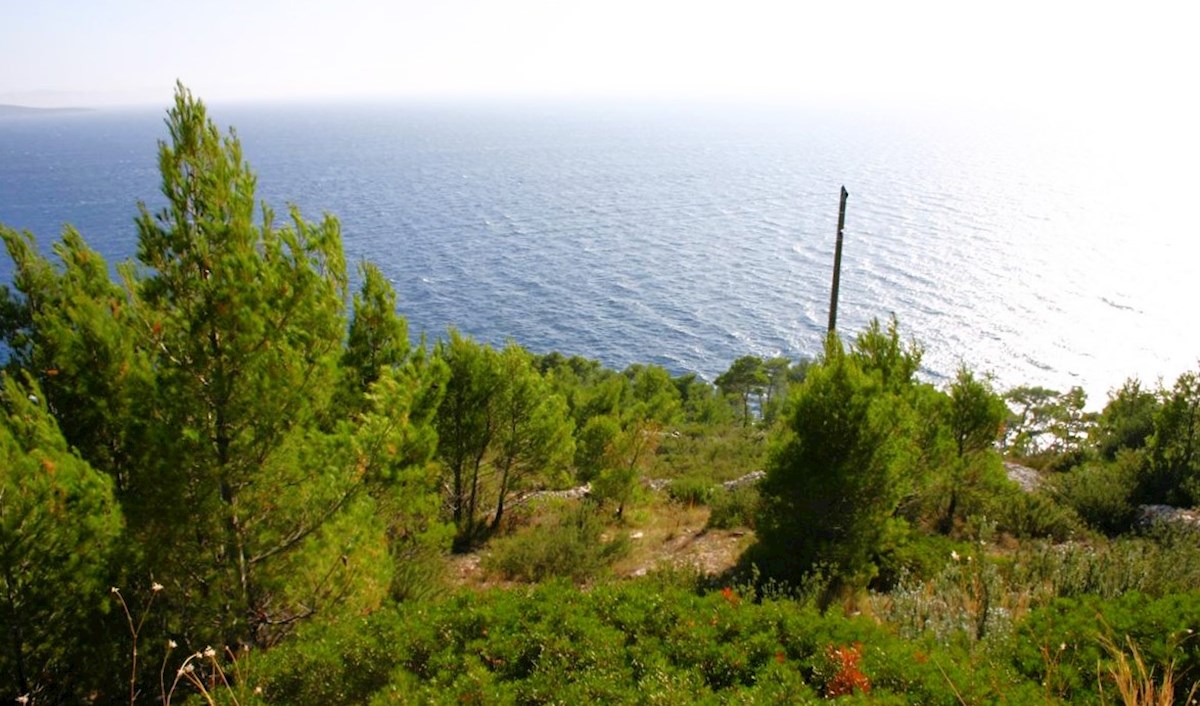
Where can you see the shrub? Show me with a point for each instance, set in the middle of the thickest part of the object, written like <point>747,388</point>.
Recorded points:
<point>717,453</point>
<point>1167,561</point>
<point>1062,644</point>
<point>1035,515</point>
<point>331,663</point>
<point>965,602</point>
<point>734,508</point>
<point>569,544</point>
<point>1102,493</point>
<point>691,491</point>
<point>917,556</point>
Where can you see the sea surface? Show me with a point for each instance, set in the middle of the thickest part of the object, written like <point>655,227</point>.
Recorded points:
<point>690,235</point>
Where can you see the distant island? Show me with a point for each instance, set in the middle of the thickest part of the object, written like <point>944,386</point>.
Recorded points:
<point>7,110</point>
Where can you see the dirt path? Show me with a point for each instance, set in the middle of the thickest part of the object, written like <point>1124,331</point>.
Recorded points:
<point>667,535</point>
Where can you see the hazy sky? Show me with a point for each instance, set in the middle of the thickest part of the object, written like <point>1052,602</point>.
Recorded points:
<point>1122,58</point>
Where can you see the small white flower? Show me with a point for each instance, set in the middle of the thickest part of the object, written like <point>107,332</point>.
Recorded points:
<point>114,590</point>
<point>171,644</point>
<point>23,698</point>
<point>156,587</point>
<point>954,555</point>
<point>209,652</point>
<point>1062,647</point>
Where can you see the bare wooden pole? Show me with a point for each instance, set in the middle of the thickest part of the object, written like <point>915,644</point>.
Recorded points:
<point>837,263</point>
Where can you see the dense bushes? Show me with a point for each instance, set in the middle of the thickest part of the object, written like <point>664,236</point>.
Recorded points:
<point>733,508</point>
<point>1062,644</point>
<point>648,641</point>
<point>691,491</point>
<point>293,474</point>
<point>1102,493</point>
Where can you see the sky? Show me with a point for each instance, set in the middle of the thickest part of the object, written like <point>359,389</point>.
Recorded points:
<point>1128,62</point>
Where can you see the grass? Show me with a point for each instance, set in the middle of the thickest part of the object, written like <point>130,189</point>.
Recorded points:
<point>1135,683</point>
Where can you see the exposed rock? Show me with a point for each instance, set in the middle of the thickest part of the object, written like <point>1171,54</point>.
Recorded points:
<point>1153,514</point>
<point>749,479</point>
<point>569,494</point>
<point>654,484</point>
<point>1028,478</point>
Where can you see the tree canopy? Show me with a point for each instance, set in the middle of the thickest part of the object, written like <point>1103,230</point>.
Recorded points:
<point>204,383</point>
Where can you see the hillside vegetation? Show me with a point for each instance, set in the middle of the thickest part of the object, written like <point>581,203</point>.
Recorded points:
<point>230,476</point>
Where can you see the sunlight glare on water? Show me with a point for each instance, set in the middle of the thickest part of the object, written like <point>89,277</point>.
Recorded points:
<point>688,236</point>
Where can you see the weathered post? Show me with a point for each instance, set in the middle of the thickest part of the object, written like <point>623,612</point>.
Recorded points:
<point>837,263</point>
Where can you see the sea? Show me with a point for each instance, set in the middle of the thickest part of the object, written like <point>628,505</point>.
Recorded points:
<point>687,235</point>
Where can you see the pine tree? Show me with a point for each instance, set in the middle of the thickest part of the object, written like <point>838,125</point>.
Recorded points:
<point>59,524</point>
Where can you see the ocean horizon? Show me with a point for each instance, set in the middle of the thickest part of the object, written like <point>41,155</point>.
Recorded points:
<point>689,235</point>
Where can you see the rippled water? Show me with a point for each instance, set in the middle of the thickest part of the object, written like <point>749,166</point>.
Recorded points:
<point>688,237</point>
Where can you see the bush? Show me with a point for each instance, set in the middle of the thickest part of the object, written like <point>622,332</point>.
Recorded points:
<point>1102,493</point>
<point>1035,515</point>
<point>691,491</point>
<point>323,663</point>
<point>649,641</point>
<point>917,556</point>
<point>734,508</point>
<point>716,453</point>
<point>569,544</point>
<point>1167,561</point>
<point>1063,644</point>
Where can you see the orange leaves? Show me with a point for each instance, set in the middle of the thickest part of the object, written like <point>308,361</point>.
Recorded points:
<point>847,678</point>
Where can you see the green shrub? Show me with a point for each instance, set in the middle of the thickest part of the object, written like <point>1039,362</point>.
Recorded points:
<point>717,452</point>
<point>917,556</point>
<point>691,491</point>
<point>734,508</point>
<point>965,602</point>
<point>1165,561</point>
<point>1061,644</point>
<point>1102,493</point>
<point>340,663</point>
<point>651,641</point>
<point>1035,515</point>
<point>569,544</point>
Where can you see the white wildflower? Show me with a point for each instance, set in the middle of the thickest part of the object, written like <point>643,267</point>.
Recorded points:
<point>209,652</point>
<point>171,644</point>
<point>114,590</point>
<point>954,555</point>
<point>156,587</point>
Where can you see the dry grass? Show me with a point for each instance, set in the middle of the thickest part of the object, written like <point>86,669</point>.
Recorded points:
<point>672,534</point>
<point>662,534</point>
<point>1136,684</point>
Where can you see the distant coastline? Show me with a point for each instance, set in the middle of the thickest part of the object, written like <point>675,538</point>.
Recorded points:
<point>9,110</point>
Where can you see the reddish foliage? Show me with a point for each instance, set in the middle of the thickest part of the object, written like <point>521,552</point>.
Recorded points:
<point>730,596</point>
<point>847,679</point>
